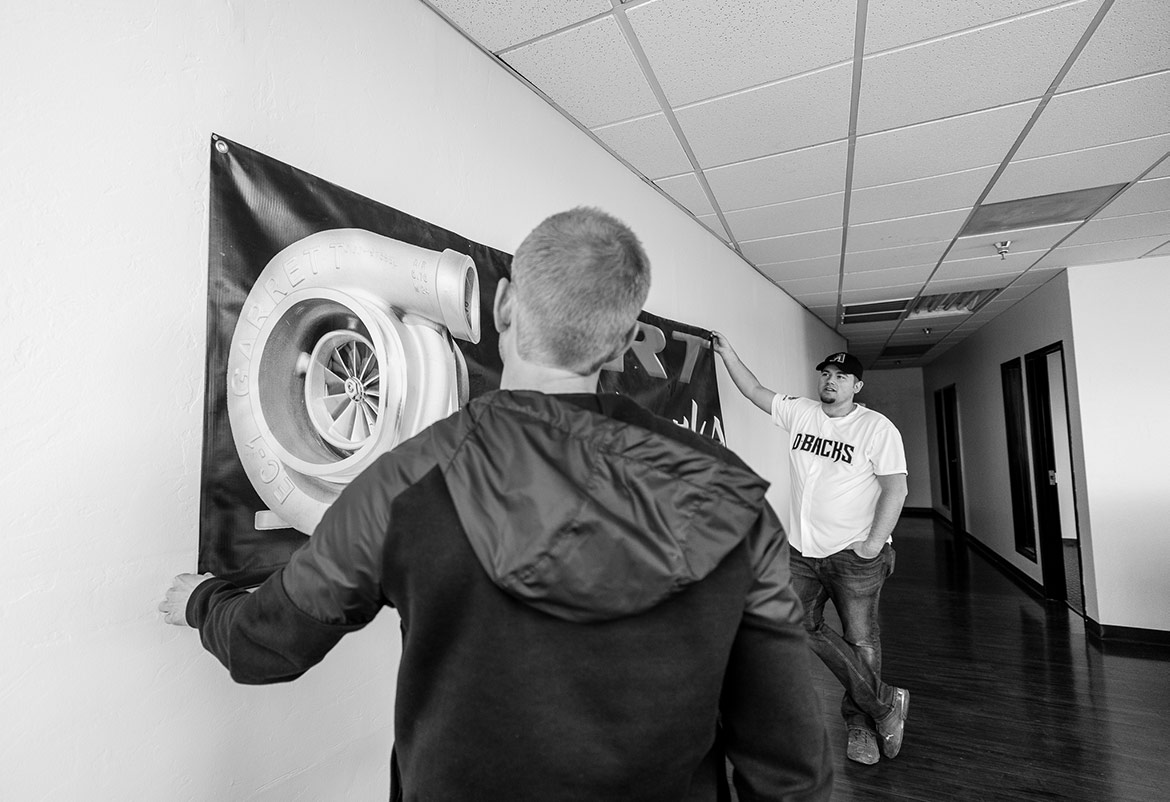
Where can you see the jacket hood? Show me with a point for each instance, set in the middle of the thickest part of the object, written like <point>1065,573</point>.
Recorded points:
<point>588,517</point>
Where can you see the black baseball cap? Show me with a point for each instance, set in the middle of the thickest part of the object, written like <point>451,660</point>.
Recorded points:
<point>846,363</point>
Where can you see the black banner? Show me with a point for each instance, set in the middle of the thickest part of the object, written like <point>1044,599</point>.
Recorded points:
<point>335,325</point>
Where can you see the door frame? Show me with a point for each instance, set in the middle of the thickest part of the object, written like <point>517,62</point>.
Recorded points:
<point>946,409</point>
<point>1046,498</point>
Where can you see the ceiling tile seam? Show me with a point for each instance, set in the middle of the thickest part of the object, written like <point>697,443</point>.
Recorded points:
<point>854,104</point>
<point>793,234</point>
<point>1127,79</point>
<point>1151,250</point>
<point>1028,126</point>
<point>655,87</point>
<point>637,118</point>
<point>949,117</point>
<point>1090,148</point>
<point>764,85</point>
<point>551,34</point>
<point>1126,216</point>
<point>770,156</point>
<point>976,28</point>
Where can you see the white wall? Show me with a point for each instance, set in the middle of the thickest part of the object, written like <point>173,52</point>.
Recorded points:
<point>1119,324</point>
<point>1110,319</point>
<point>973,366</point>
<point>108,111</point>
<point>898,394</point>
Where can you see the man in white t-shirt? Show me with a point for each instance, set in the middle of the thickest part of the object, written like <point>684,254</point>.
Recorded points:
<point>848,477</point>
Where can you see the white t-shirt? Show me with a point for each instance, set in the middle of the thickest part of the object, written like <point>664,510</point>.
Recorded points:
<point>834,464</point>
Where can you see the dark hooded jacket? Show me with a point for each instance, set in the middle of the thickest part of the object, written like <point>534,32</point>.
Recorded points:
<point>595,605</point>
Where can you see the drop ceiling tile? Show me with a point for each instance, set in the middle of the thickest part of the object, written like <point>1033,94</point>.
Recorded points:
<point>1117,112</point>
<point>1001,271</point>
<point>1023,240</point>
<point>893,23</point>
<point>648,144</point>
<point>1016,292</point>
<point>996,308</point>
<point>938,326</point>
<point>589,72</point>
<point>912,334</point>
<point>815,298</point>
<point>1150,195</point>
<point>912,275</point>
<point>788,115</point>
<point>1036,276</point>
<point>906,231</point>
<point>989,313</point>
<point>1096,253</point>
<point>942,146</point>
<point>856,293</point>
<point>808,245</point>
<point>1161,171</point>
<point>801,268</point>
<point>789,176</point>
<point>498,24</point>
<point>939,286</point>
<point>827,314</point>
<point>921,196</point>
<point>1122,228</point>
<point>987,67</point>
<point>699,49</point>
<point>1131,40</point>
<point>777,219</point>
<point>888,258</point>
<point>1015,264</point>
<point>687,190</point>
<point>855,329</point>
<point>810,286</point>
<point>712,224</point>
<point>1118,163</point>
<point>867,342</point>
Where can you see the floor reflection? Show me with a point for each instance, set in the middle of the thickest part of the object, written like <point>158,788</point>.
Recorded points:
<point>1010,698</point>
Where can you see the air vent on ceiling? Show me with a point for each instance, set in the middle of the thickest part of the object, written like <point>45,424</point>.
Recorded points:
<point>1043,210</point>
<point>945,305</point>
<point>951,303</point>
<point>875,312</point>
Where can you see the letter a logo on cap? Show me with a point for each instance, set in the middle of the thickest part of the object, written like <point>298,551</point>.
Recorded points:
<point>837,358</point>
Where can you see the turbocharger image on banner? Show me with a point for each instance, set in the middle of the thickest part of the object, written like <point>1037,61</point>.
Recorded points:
<point>343,349</point>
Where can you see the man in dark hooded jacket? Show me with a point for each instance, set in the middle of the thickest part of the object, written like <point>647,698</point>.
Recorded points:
<point>595,602</point>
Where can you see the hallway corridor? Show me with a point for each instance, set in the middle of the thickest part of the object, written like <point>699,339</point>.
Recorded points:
<point>1010,700</point>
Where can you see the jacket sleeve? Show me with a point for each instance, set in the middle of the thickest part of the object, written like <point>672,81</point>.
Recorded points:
<point>331,586</point>
<point>771,715</point>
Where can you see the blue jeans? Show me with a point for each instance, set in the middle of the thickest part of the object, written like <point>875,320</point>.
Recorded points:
<point>854,584</point>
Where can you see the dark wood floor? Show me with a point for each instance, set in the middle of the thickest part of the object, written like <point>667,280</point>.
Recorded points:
<point>1010,699</point>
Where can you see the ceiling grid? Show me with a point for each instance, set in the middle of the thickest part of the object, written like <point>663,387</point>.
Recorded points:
<point>876,150</point>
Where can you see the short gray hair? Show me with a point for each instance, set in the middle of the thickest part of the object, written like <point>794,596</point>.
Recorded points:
<point>581,278</point>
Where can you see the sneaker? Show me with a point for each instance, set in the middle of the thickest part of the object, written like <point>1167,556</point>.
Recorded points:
<point>890,728</point>
<point>863,746</point>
